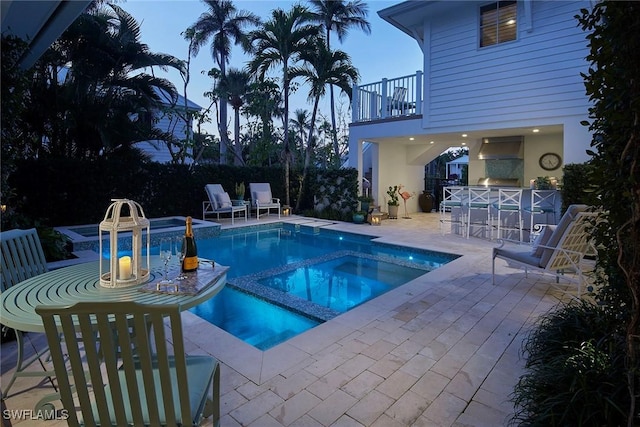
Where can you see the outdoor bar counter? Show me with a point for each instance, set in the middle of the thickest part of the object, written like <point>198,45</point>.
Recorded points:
<point>509,219</point>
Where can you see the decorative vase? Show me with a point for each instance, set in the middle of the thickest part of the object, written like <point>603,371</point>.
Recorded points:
<point>393,211</point>
<point>425,200</point>
<point>358,218</point>
<point>364,206</point>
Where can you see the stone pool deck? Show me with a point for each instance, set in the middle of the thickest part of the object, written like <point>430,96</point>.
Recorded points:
<point>442,350</point>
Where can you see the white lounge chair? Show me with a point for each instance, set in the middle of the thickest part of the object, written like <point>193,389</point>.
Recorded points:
<point>558,250</point>
<point>262,199</point>
<point>220,203</point>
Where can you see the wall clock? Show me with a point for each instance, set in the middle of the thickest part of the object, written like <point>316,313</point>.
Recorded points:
<point>550,161</point>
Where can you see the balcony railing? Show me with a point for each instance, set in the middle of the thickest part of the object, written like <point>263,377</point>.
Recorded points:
<point>389,98</point>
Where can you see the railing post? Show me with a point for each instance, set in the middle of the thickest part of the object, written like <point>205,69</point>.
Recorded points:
<point>384,111</point>
<point>355,102</point>
<point>418,92</point>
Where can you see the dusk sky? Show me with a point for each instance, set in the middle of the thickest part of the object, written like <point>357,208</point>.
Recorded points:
<point>386,52</point>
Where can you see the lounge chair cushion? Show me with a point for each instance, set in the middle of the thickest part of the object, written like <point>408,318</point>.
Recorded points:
<point>223,199</point>
<point>263,197</point>
<point>555,237</point>
<point>542,240</point>
<point>523,256</point>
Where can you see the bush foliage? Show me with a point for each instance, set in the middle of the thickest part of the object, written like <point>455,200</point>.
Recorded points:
<point>72,192</point>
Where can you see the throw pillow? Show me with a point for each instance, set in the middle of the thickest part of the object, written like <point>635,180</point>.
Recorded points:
<point>541,240</point>
<point>264,197</point>
<point>223,199</point>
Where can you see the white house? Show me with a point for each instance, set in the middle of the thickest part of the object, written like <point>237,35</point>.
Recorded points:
<point>502,77</point>
<point>174,118</point>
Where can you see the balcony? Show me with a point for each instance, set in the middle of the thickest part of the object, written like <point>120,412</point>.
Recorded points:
<point>388,99</point>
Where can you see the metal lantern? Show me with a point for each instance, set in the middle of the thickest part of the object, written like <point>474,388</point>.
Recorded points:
<point>376,217</point>
<point>124,266</point>
<point>286,210</point>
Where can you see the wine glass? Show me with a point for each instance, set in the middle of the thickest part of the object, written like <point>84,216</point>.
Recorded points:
<point>165,255</point>
<point>179,256</point>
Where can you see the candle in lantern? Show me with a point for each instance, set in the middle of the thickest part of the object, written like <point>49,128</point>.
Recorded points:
<point>124,268</point>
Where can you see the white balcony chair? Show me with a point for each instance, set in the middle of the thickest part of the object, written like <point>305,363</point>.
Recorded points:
<point>220,203</point>
<point>126,367</point>
<point>560,248</point>
<point>22,258</point>
<point>452,201</point>
<point>262,199</point>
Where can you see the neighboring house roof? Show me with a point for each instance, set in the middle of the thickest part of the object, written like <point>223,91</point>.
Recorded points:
<point>39,23</point>
<point>166,99</point>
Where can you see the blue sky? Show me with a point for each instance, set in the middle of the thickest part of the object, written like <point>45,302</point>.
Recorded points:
<point>386,52</point>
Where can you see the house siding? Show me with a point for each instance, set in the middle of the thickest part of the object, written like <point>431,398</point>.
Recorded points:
<point>537,75</point>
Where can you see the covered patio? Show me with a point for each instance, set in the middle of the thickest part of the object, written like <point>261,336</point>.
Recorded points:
<point>443,349</point>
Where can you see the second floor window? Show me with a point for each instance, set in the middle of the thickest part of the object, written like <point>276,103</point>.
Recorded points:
<point>498,23</point>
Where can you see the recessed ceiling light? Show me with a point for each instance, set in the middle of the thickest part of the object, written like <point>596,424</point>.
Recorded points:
<point>535,130</point>
<point>431,142</point>
<point>464,135</point>
<point>511,21</point>
<point>411,138</point>
<point>464,143</point>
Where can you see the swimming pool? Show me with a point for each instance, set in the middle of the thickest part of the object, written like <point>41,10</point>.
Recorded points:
<point>285,279</point>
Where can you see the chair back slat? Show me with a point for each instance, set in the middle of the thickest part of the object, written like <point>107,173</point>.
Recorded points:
<point>22,257</point>
<point>573,245</point>
<point>509,199</point>
<point>146,382</point>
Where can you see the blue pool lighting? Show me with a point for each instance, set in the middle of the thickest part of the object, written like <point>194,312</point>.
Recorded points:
<point>285,279</point>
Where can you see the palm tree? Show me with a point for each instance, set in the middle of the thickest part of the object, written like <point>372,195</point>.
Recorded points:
<point>280,42</point>
<point>264,101</point>
<point>235,86</point>
<point>222,23</point>
<point>103,99</point>
<point>325,68</point>
<point>300,124</point>
<point>340,16</point>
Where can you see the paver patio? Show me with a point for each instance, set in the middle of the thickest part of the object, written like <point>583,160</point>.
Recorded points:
<point>442,350</point>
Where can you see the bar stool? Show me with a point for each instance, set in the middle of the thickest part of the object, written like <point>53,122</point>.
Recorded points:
<point>479,200</point>
<point>509,203</point>
<point>543,202</point>
<point>452,197</point>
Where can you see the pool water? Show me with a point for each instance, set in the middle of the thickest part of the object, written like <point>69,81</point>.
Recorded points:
<point>343,283</point>
<point>285,279</point>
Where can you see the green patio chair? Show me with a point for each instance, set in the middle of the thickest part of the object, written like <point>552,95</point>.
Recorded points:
<point>22,258</point>
<point>121,370</point>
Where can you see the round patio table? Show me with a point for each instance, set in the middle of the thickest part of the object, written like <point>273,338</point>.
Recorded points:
<point>80,283</point>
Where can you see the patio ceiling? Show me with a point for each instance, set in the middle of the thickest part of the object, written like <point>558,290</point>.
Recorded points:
<point>455,139</point>
<point>39,23</point>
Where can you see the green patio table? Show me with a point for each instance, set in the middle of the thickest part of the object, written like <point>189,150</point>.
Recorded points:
<point>81,283</point>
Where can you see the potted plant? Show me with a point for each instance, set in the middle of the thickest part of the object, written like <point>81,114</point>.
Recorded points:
<point>542,183</point>
<point>393,201</point>
<point>365,201</point>
<point>239,194</point>
<point>359,216</point>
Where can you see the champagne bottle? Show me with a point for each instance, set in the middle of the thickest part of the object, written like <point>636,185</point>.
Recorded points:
<point>189,249</point>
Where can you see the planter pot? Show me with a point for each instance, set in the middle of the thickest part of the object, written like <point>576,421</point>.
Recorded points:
<point>364,206</point>
<point>425,201</point>
<point>393,211</point>
<point>237,202</point>
<point>358,218</point>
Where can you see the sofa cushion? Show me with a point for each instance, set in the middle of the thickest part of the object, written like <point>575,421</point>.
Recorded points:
<point>223,199</point>
<point>263,197</point>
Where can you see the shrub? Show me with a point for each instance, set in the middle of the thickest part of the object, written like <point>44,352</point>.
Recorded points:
<point>575,371</point>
